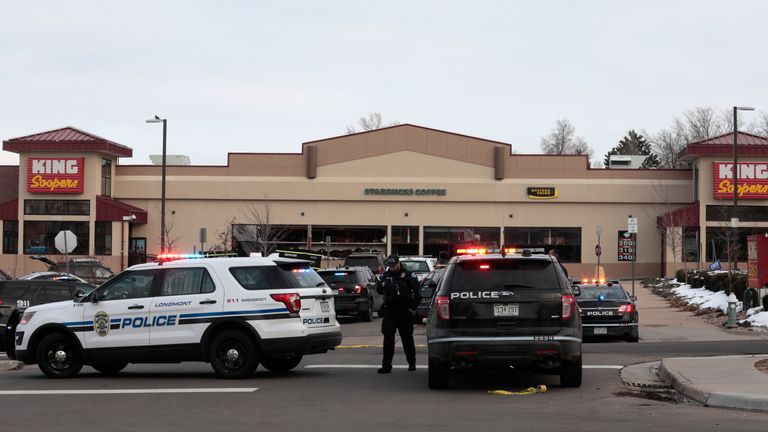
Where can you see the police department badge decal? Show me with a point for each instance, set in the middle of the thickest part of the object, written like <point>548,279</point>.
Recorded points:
<point>101,323</point>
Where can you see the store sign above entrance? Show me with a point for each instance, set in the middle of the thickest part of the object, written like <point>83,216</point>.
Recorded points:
<point>404,191</point>
<point>753,180</point>
<point>542,192</point>
<point>46,175</point>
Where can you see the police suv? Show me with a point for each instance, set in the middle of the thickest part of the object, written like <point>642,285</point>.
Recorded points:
<point>231,312</point>
<point>504,309</point>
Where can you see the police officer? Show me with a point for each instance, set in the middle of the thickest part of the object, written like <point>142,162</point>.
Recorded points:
<point>401,298</point>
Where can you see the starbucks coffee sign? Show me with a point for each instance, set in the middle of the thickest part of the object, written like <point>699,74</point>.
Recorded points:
<point>404,192</point>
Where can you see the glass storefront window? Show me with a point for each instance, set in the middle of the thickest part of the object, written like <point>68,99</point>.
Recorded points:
<point>405,240</point>
<point>103,240</point>
<point>10,237</point>
<point>340,241</point>
<point>106,177</point>
<point>719,238</point>
<point>565,241</point>
<point>439,241</point>
<point>57,207</point>
<point>39,236</point>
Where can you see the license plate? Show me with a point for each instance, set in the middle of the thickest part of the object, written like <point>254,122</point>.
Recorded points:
<point>325,306</point>
<point>505,310</point>
<point>601,330</point>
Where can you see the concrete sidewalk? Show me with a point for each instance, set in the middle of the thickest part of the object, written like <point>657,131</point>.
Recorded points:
<point>726,382</point>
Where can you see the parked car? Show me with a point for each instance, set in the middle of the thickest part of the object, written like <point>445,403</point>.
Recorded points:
<point>374,261</point>
<point>53,276</point>
<point>607,311</point>
<point>428,288</point>
<point>419,266</point>
<point>88,268</point>
<point>17,295</point>
<point>355,290</point>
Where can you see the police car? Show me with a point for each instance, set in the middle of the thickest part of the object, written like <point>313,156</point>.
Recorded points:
<point>231,312</point>
<point>607,310</point>
<point>501,310</point>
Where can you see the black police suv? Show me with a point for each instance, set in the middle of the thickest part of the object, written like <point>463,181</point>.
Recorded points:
<point>18,295</point>
<point>502,310</point>
<point>355,290</point>
<point>607,311</point>
<point>373,260</point>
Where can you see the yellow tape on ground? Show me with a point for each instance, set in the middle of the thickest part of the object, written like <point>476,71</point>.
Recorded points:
<point>530,390</point>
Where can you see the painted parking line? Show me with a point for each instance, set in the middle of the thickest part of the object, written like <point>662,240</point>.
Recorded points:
<point>376,366</point>
<point>127,391</point>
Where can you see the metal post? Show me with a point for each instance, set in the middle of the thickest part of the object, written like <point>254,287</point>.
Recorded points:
<point>634,258</point>
<point>162,198</point>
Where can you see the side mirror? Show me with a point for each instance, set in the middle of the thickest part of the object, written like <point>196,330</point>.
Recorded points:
<point>427,292</point>
<point>79,293</point>
<point>576,290</point>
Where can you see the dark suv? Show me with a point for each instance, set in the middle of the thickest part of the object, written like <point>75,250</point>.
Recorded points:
<point>504,310</point>
<point>374,261</point>
<point>355,290</point>
<point>18,295</point>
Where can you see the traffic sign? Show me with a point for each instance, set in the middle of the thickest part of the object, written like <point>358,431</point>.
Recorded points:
<point>598,250</point>
<point>632,225</point>
<point>65,241</point>
<point>626,247</point>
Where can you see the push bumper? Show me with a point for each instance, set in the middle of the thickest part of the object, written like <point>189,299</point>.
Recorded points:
<point>310,344</point>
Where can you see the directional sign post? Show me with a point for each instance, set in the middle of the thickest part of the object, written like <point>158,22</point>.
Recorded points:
<point>65,242</point>
<point>632,229</point>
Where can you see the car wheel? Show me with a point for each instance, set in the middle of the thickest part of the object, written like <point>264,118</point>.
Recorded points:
<point>633,337</point>
<point>367,314</point>
<point>110,368</point>
<point>281,365</point>
<point>58,356</point>
<point>570,374</point>
<point>233,355</point>
<point>438,375</point>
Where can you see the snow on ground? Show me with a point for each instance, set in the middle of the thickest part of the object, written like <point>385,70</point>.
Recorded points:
<point>718,300</point>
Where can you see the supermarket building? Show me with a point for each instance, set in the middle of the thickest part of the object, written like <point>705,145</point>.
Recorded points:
<point>405,188</point>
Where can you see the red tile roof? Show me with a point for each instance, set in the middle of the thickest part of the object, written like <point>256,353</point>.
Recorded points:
<point>66,139</point>
<point>722,145</point>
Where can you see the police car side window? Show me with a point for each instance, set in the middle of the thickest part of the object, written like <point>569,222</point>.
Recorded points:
<point>129,285</point>
<point>257,278</point>
<point>184,281</point>
<point>55,292</point>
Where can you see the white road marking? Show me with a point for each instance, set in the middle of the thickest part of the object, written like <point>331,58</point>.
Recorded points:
<point>364,366</point>
<point>128,391</point>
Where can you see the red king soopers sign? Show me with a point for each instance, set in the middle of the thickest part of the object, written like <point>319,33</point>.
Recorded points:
<point>753,180</point>
<point>59,175</point>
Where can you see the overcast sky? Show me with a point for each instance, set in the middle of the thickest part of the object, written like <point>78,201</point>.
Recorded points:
<point>252,76</point>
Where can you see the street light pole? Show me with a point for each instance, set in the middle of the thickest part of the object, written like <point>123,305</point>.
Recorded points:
<point>735,214</point>
<point>162,193</point>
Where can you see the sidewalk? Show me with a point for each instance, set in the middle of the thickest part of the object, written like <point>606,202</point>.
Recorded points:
<point>725,382</point>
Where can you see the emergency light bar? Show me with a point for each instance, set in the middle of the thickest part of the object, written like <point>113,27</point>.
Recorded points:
<point>174,257</point>
<point>474,251</point>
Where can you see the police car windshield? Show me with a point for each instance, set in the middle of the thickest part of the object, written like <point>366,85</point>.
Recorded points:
<point>301,276</point>
<point>602,292</point>
<point>415,266</point>
<point>476,275</point>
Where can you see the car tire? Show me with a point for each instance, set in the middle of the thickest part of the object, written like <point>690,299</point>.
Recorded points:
<point>570,374</point>
<point>438,375</point>
<point>633,337</point>
<point>233,355</point>
<point>110,368</point>
<point>59,356</point>
<point>367,314</point>
<point>281,365</point>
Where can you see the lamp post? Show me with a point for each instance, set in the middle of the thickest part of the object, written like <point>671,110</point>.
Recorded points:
<point>162,194</point>
<point>735,215</point>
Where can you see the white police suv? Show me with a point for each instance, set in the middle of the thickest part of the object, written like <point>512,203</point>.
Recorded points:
<point>232,312</point>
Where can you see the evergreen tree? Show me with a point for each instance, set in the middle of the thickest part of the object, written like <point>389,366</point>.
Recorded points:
<point>634,144</point>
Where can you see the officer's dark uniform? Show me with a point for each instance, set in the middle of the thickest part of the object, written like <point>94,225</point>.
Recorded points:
<point>401,297</point>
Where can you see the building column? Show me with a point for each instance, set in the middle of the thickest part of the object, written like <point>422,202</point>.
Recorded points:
<point>421,239</point>
<point>389,239</point>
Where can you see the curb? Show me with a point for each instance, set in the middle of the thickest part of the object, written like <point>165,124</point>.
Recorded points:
<point>712,398</point>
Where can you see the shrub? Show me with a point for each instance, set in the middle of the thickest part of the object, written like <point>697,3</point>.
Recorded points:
<point>680,275</point>
<point>716,281</point>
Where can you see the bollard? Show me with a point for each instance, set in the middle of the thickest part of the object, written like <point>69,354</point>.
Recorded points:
<point>731,323</point>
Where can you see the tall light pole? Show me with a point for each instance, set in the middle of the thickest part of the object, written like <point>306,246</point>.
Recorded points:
<point>735,215</point>
<point>162,194</point>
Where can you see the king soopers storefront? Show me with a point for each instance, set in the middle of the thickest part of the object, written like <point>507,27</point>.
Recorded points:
<point>406,188</point>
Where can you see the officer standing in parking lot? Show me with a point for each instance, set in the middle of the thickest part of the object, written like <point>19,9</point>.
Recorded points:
<point>401,298</point>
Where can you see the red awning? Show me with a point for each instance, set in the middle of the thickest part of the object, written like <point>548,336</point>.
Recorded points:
<point>686,217</point>
<point>108,209</point>
<point>9,210</point>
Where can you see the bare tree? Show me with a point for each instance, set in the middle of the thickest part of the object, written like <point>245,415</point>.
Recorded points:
<point>225,237</point>
<point>761,126</point>
<point>261,228</point>
<point>372,121</point>
<point>667,144</point>
<point>672,225</point>
<point>562,140</point>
